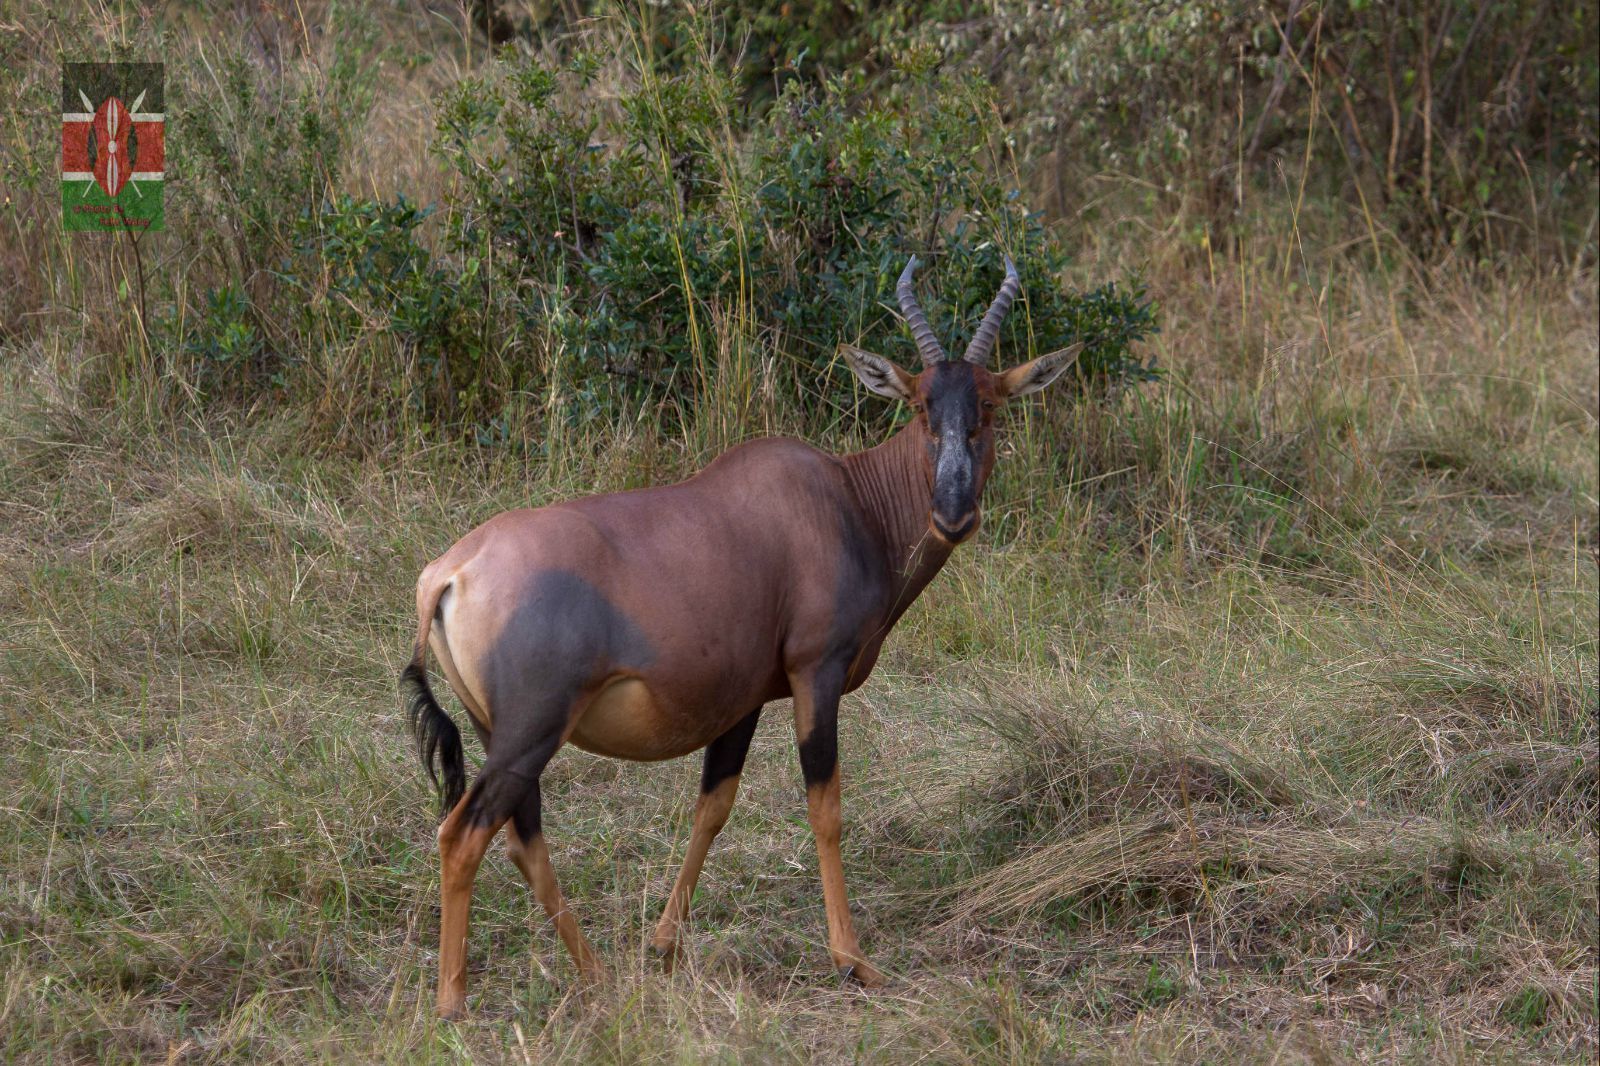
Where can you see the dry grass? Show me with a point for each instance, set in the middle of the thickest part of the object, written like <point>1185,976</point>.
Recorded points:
<point>1203,759</point>
<point>1261,726</point>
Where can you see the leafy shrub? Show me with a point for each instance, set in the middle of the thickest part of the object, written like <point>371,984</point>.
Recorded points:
<point>225,341</point>
<point>368,256</point>
<point>616,236</point>
<point>652,224</point>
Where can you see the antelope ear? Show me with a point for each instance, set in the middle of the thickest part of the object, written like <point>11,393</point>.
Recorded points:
<point>879,374</point>
<point>1037,373</point>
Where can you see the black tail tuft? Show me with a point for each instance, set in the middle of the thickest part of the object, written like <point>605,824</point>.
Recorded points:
<point>436,734</point>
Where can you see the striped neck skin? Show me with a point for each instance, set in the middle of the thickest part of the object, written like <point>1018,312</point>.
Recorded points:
<point>894,487</point>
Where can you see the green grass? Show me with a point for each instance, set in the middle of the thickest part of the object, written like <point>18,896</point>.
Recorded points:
<point>1258,730</point>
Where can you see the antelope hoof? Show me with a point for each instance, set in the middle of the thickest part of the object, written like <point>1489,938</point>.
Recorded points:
<point>863,974</point>
<point>452,1012</point>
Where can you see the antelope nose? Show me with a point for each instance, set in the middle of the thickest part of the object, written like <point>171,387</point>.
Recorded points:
<point>960,528</point>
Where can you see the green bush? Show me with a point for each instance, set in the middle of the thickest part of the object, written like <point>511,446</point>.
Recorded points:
<point>617,236</point>
<point>368,266</point>
<point>647,226</point>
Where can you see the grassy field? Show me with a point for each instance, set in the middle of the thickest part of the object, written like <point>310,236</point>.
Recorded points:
<point>1259,724</point>
<point>1269,732</point>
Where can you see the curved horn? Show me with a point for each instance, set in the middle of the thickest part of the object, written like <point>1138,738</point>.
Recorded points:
<point>927,343</point>
<point>989,330</point>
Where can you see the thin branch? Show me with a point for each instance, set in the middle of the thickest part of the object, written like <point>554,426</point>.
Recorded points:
<point>1280,77</point>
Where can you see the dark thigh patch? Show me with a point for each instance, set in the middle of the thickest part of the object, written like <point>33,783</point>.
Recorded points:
<point>564,636</point>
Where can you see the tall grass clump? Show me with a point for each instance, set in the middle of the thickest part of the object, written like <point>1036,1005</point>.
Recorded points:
<point>1437,119</point>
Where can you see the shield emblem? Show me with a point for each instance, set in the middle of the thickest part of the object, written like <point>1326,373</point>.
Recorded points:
<point>113,162</point>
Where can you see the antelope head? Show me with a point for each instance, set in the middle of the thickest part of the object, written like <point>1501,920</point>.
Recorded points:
<point>955,400</point>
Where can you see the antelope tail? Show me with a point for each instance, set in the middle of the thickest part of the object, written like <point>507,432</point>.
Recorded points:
<point>438,739</point>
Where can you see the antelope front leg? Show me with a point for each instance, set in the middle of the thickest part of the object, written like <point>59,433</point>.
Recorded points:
<point>816,727</point>
<point>719,783</point>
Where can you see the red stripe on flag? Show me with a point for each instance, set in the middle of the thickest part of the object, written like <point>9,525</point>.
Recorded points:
<point>75,146</point>
<point>152,138</point>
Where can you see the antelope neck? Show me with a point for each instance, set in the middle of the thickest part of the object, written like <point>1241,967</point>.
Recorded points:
<point>894,487</point>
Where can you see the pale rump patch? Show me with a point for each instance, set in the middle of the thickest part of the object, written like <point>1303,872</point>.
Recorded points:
<point>462,677</point>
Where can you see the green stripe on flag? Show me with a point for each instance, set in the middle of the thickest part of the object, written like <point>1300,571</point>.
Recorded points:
<point>86,208</point>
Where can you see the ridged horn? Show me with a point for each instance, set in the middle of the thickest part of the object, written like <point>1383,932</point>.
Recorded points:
<point>927,343</point>
<point>982,345</point>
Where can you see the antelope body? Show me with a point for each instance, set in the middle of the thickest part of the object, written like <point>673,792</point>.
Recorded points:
<point>649,624</point>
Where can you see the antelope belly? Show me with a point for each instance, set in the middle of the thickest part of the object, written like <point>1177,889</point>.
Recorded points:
<point>624,720</point>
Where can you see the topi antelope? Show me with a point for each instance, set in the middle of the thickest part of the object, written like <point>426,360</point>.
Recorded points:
<point>645,625</point>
